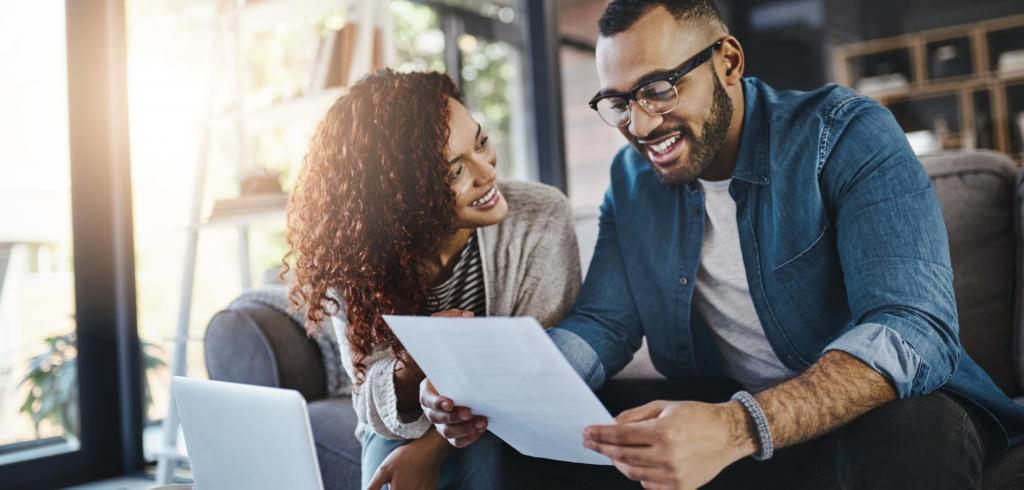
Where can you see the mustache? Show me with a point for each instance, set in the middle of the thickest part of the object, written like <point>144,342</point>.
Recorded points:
<point>684,132</point>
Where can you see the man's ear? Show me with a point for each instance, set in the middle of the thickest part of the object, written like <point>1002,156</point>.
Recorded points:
<point>732,60</point>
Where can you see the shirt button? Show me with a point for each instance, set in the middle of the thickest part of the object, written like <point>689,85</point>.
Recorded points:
<point>684,281</point>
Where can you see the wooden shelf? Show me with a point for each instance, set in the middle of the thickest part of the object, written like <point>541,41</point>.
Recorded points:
<point>246,209</point>
<point>958,62</point>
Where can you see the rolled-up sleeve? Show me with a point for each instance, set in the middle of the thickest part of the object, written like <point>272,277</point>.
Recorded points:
<point>885,351</point>
<point>580,355</point>
<point>894,252</point>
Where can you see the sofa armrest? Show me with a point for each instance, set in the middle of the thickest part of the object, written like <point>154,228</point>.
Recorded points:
<point>254,344</point>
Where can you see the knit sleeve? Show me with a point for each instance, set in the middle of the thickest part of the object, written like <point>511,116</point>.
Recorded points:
<point>553,264</point>
<point>374,400</point>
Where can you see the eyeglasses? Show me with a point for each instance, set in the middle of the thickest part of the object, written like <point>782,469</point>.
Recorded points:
<point>656,96</point>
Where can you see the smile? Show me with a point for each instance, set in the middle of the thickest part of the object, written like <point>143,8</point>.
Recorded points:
<point>487,200</point>
<point>664,150</point>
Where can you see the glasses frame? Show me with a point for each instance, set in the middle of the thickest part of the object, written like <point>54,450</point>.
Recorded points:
<point>672,77</point>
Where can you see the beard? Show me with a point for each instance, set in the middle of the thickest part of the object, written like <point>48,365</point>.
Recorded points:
<point>705,149</point>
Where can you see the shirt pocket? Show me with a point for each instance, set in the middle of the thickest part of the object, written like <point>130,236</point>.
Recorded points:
<point>812,294</point>
<point>806,259</point>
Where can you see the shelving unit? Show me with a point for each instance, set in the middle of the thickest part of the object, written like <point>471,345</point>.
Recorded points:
<point>328,74</point>
<point>962,86</point>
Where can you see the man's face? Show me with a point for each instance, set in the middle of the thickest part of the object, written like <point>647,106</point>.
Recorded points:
<point>683,143</point>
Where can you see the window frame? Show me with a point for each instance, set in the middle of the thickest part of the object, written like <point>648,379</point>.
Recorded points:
<point>109,377</point>
<point>536,35</point>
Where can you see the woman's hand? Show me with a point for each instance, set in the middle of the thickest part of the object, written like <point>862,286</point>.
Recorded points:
<point>455,313</point>
<point>414,466</point>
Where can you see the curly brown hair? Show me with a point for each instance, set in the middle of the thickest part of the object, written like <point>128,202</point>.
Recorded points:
<point>372,206</point>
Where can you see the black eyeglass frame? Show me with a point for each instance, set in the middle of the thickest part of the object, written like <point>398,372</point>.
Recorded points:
<point>673,77</point>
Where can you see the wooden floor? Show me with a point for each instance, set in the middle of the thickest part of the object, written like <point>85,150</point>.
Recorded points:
<point>130,483</point>
<point>140,482</point>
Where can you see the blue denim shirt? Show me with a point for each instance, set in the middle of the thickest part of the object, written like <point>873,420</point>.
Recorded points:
<point>842,240</point>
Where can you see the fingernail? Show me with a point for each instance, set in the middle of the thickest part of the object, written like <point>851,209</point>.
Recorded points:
<point>464,414</point>
<point>480,424</point>
<point>446,405</point>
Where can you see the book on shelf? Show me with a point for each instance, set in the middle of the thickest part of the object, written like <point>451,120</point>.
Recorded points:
<point>247,206</point>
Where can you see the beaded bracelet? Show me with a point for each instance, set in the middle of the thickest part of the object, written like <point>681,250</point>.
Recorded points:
<point>764,436</point>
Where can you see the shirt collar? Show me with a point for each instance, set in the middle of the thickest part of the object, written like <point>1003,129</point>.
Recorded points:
<point>752,159</point>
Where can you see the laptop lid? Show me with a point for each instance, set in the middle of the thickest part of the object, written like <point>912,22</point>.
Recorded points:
<point>245,436</point>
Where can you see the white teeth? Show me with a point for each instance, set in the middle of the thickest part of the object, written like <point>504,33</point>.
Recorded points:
<point>664,145</point>
<point>487,197</point>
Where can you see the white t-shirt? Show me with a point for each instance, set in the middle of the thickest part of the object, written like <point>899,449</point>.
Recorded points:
<point>722,297</point>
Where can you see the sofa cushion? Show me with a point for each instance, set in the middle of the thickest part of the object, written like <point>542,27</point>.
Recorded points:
<point>337,449</point>
<point>977,196</point>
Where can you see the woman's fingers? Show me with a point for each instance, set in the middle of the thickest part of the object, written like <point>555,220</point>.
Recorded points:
<point>467,440</point>
<point>439,409</point>
<point>475,426</point>
<point>454,313</point>
<point>434,405</point>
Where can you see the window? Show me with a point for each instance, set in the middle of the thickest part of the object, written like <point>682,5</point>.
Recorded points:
<point>38,387</point>
<point>65,401</point>
<point>590,144</point>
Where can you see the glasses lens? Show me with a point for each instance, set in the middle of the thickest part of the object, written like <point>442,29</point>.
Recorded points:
<point>658,97</point>
<point>614,111</point>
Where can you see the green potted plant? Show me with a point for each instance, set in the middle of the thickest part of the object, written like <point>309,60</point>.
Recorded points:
<point>52,382</point>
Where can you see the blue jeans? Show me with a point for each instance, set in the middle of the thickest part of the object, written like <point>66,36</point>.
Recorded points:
<point>478,466</point>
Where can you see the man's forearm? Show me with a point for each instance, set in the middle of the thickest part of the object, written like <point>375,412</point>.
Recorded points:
<point>832,392</point>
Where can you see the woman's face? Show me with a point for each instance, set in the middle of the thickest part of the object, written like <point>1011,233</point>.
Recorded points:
<point>471,161</point>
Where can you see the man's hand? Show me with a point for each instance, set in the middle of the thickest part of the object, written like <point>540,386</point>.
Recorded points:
<point>675,445</point>
<point>414,466</point>
<point>456,424</point>
<point>686,444</point>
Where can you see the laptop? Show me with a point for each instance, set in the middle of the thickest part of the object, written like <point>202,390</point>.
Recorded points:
<point>245,436</point>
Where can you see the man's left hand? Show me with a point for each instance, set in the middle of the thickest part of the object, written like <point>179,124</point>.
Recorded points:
<point>675,445</point>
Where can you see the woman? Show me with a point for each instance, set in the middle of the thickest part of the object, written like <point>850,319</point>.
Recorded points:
<point>397,210</point>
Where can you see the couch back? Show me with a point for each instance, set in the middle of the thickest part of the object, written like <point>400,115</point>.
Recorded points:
<point>979,194</point>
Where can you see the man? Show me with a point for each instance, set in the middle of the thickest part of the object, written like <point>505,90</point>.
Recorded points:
<point>789,242</point>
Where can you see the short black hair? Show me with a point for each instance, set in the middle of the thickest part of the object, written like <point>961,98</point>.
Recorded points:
<point>622,14</point>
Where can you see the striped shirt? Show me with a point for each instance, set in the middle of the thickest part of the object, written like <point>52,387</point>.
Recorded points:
<point>464,290</point>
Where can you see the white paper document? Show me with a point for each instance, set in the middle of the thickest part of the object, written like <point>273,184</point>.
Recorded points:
<point>508,370</point>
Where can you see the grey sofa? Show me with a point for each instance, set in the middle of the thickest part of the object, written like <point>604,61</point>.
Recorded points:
<point>980,194</point>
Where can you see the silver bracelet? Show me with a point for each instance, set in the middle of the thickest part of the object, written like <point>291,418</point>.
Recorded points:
<point>764,436</point>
